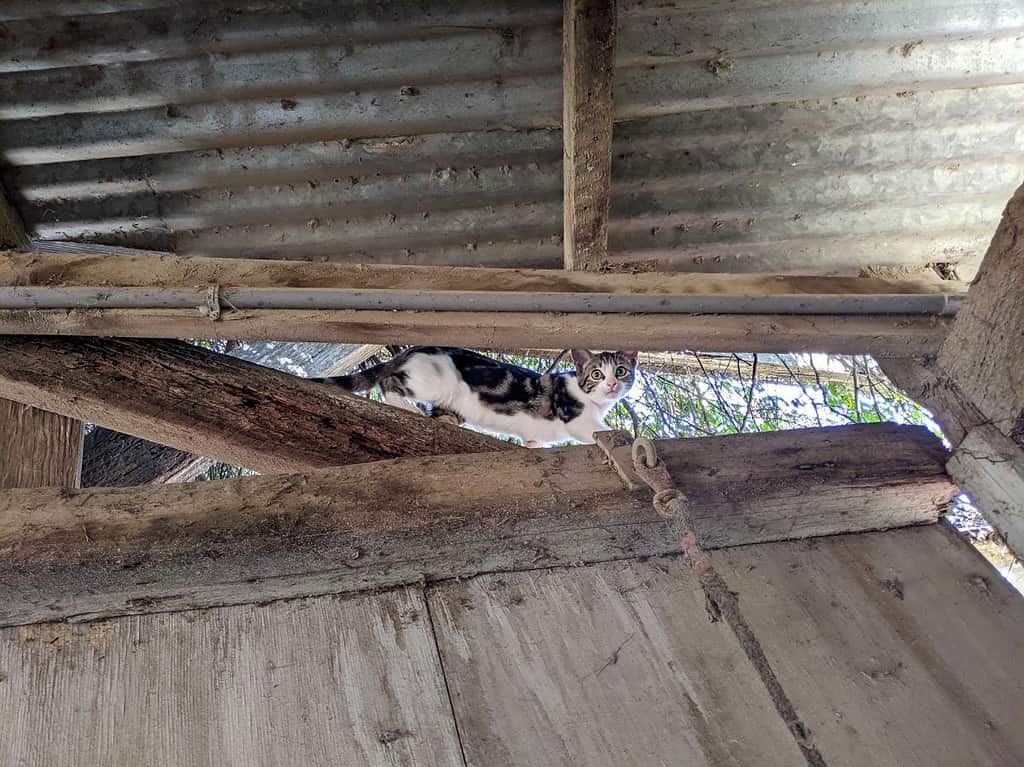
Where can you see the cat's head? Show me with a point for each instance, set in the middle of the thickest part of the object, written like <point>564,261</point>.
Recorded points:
<point>605,377</point>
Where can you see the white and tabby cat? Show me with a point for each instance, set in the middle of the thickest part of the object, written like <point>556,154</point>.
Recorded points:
<point>468,387</point>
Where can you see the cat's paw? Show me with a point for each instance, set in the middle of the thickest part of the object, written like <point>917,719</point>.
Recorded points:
<point>449,418</point>
<point>534,443</point>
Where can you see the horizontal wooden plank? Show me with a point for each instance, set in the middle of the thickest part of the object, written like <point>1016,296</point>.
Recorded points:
<point>307,683</point>
<point>612,665</point>
<point>898,648</point>
<point>88,554</point>
<point>63,270</point>
<point>217,406</point>
<point>880,335</point>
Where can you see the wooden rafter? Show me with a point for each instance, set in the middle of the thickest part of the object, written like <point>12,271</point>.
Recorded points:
<point>588,65</point>
<point>984,353</point>
<point>883,335</point>
<point>975,385</point>
<point>217,406</point>
<point>372,525</point>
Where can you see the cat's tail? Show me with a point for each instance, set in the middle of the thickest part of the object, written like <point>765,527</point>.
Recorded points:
<point>364,380</point>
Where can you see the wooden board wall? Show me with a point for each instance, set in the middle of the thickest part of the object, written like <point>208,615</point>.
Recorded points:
<point>37,448</point>
<point>901,648</point>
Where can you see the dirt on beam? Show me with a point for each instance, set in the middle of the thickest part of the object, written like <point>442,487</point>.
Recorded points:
<point>96,553</point>
<point>177,394</point>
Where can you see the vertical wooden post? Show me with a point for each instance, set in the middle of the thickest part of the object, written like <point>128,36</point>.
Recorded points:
<point>37,449</point>
<point>976,385</point>
<point>588,64</point>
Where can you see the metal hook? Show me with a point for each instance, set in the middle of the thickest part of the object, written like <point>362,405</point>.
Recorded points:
<point>650,455</point>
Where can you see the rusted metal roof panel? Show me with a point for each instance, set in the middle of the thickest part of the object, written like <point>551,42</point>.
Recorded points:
<point>776,136</point>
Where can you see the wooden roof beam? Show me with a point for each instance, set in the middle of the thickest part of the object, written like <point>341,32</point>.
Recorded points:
<point>177,394</point>
<point>97,553</point>
<point>879,334</point>
<point>975,385</point>
<point>588,68</point>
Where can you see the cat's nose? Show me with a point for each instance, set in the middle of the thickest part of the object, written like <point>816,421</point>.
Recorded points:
<point>612,387</point>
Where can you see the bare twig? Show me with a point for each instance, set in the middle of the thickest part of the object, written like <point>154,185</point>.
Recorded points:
<point>718,396</point>
<point>824,391</point>
<point>871,387</point>
<point>558,359</point>
<point>803,388</point>
<point>750,394</point>
<point>632,417</point>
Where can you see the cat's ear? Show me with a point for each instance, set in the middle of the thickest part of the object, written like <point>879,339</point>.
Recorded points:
<point>581,357</point>
<point>631,356</point>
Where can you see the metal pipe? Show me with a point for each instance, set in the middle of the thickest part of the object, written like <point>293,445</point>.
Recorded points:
<point>475,301</point>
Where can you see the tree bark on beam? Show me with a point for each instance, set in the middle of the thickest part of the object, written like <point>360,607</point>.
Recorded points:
<point>99,553</point>
<point>177,394</point>
<point>984,353</point>
<point>588,68</point>
<point>975,386</point>
<point>112,459</point>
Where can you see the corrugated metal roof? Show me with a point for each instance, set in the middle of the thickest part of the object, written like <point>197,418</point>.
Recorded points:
<point>776,136</point>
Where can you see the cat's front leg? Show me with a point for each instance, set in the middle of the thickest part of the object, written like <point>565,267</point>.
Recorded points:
<point>584,433</point>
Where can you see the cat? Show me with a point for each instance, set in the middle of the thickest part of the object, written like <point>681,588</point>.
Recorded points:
<point>462,386</point>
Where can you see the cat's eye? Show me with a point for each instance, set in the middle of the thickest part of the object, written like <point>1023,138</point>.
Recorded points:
<point>621,372</point>
<point>596,375</point>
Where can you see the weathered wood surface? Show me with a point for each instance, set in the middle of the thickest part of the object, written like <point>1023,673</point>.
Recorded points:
<point>62,270</point>
<point>93,553</point>
<point>37,448</point>
<point>923,380</point>
<point>984,353</point>
<point>986,463</point>
<point>177,394</point>
<point>900,648</point>
<point>881,336</point>
<point>588,70</point>
<point>112,459</point>
<point>610,665</point>
<point>318,683</point>
<point>990,467</point>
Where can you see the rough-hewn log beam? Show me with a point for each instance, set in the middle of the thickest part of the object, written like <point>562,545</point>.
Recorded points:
<point>63,270</point>
<point>37,448</point>
<point>106,552</point>
<point>986,463</point>
<point>112,459</point>
<point>176,394</point>
<point>984,353</point>
<point>588,66</point>
<point>882,336</point>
